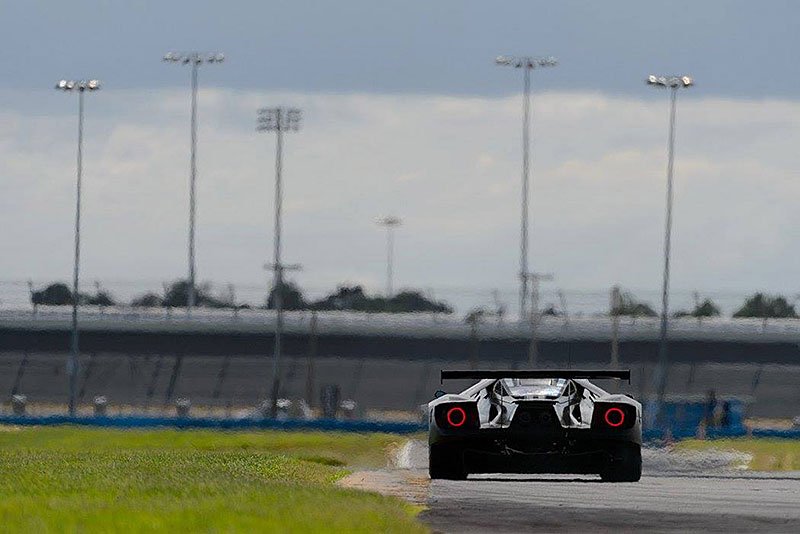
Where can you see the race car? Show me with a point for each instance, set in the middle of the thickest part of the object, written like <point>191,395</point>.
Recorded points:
<point>535,421</point>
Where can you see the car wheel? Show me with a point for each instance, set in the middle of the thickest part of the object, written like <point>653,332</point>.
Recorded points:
<point>446,462</point>
<point>624,464</point>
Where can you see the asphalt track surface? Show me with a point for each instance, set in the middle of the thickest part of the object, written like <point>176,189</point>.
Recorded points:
<point>655,504</point>
<point>672,496</point>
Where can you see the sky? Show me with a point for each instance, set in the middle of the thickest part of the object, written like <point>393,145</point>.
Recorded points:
<point>405,113</point>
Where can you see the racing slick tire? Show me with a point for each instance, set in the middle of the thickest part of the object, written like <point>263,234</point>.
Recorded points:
<point>624,464</point>
<point>446,462</point>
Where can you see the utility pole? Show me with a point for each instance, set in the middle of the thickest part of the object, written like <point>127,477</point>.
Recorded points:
<point>390,223</point>
<point>194,60</point>
<point>72,366</point>
<point>526,63</point>
<point>673,83</point>
<point>278,120</point>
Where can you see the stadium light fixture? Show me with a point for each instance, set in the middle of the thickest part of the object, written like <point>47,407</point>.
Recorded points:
<point>673,83</point>
<point>278,120</point>
<point>527,63</point>
<point>195,59</point>
<point>81,86</point>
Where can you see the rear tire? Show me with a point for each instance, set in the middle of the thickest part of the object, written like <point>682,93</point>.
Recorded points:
<point>446,462</point>
<point>624,464</point>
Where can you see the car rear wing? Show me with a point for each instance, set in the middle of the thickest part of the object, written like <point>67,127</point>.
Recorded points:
<point>479,374</point>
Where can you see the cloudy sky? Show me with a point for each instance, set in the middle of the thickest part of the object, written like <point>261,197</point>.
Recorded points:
<point>405,113</point>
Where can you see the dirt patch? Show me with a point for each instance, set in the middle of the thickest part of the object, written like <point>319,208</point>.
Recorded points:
<point>405,475</point>
<point>411,485</point>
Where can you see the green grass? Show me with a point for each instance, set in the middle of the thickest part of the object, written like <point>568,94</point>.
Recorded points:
<point>88,480</point>
<point>768,454</point>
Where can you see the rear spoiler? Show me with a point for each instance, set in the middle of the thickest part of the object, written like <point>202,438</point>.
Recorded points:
<point>478,374</point>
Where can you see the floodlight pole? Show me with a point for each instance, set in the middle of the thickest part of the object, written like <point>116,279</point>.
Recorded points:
<point>523,246</point>
<point>74,346</point>
<point>278,269</point>
<point>664,325</point>
<point>527,64</point>
<point>278,120</point>
<point>673,83</point>
<point>72,364</point>
<point>190,297</point>
<point>194,59</point>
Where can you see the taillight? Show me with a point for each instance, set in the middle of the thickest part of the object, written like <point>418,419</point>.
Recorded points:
<point>456,416</point>
<point>614,417</point>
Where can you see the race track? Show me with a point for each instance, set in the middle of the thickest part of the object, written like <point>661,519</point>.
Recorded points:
<point>661,503</point>
<point>678,493</point>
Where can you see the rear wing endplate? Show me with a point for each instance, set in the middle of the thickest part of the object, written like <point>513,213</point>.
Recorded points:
<point>479,374</point>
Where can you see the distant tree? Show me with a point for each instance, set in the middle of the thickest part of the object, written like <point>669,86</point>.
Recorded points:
<point>766,306</point>
<point>291,295</point>
<point>629,306</point>
<point>414,301</point>
<point>177,296</point>
<point>354,298</point>
<point>707,308</point>
<point>101,298</point>
<point>57,294</point>
<point>344,298</point>
<point>148,300</point>
<point>551,311</point>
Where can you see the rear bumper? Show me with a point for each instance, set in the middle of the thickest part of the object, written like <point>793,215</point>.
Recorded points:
<point>551,451</point>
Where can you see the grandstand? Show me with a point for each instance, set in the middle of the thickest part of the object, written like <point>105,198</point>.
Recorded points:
<point>238,383</point>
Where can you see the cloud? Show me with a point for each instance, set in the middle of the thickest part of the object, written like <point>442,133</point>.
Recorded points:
<point>449,166</point>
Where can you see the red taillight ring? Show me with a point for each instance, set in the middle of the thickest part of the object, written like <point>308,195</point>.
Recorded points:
<point>462,416</point>
<point>615,413</point>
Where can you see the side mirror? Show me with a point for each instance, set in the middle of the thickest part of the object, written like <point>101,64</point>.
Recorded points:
<point>438,393</point>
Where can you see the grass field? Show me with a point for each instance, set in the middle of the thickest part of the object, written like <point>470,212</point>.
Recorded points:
<point>88,480</point>
<point>768,454</point>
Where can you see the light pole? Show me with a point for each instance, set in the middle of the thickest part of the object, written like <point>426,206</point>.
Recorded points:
<point>390,223</point>
<point>673,83</point>
<point>81,86</point>
<point>194,59</point>
<point>278,120</point>
<point>527,64</point>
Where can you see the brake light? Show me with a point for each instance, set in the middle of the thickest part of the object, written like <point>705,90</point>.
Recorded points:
<point>614,417</point>
<point>456,416</point>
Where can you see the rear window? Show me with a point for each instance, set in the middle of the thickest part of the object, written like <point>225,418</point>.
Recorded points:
<point>534,387</point>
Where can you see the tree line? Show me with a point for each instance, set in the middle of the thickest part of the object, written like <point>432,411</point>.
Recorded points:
<point>355,298</point>
<point>176,295</point>
<point>758,305</point>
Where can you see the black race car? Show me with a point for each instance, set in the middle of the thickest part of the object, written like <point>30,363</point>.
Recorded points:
<point>542,421</point>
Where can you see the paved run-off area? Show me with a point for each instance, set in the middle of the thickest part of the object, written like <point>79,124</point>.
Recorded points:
<point>678,492</point>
